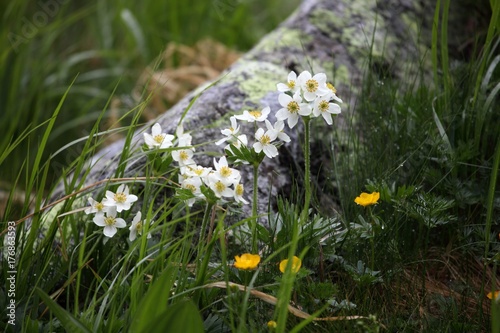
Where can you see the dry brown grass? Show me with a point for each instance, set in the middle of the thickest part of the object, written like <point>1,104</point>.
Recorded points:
<point>443,278</point>
<point>182,68</point>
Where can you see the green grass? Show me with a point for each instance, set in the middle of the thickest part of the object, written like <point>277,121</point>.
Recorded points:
<point>422,259</point>
<point>102,45</point>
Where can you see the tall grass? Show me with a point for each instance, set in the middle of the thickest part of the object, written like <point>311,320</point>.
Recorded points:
<point>46,45</point>
<point>421,260</point>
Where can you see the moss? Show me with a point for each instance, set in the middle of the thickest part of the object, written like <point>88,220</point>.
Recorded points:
<point>282,37</point>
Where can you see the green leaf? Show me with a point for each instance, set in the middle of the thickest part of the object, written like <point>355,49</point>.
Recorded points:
<point>154,304</point>
<point>181,317</point>
<point>70,323</point>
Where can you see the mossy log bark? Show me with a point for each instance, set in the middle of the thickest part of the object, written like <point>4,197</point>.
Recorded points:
<point>342,38</point>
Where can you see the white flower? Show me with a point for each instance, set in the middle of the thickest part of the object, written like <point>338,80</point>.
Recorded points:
<point>238,193</point>
<point>292,108</point>
<point>322,106</point>
<point>122,200</point>
<point>183,139</point>
<point>224,173</point>
<point>229,132</point>
<point>290,85</point>
<point>157,139</point>
<point>278,129</point>
<point>312,86</point>
<point>136,227</point>
<point>264,142</point>
<point>96,207</point>
<point>220,188</point>
<point>195,171</point>
<point>193,184</point>
<point>255,115</point>
<point>110,222</point>
<point>184,156</point>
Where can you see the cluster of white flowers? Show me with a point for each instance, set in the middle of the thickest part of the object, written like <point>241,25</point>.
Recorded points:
<point>308,96</point>
<point>304,95</point>
<point>223,181</point>
<point>106,212</point>
<point>301,96</point>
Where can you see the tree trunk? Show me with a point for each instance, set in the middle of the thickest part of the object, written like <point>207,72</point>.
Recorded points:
<point>334,37</point>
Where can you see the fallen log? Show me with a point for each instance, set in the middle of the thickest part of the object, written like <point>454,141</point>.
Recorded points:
<point>342,38</point>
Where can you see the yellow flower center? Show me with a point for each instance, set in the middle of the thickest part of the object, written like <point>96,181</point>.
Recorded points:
<point>190,187</point>
<point>331,87</point>
<point>199,172</point>
<point>256,114</point>
<point>183,155</point>
<point>293,107</point>
<point>225,171</point>
<point>138,227</point>
<point>120,197</point>
<point>239,190</point>
<point>265,139</point>
<point>312,85</point>
<point>323,106</point>
<point>159,138</point>
<point>99,206</point>
<point>109,220</point>
<point>291,84</point>
<point>219,186</point>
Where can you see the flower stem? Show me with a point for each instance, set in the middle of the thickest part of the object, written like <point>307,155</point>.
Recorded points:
<point>203,230</point>
<point>307,169</point>
<point>254,219</point>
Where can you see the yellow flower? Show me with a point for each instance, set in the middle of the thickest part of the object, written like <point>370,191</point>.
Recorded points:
<point>296,263</point>
<point>494,295</point>
<point>272,324</point>
<point>247,261</point>
<point>366,199</point>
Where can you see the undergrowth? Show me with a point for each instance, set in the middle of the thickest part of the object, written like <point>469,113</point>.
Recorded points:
<point>420,256</point>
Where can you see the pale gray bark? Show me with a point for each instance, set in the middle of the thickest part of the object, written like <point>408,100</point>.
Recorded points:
<point>333,36</point>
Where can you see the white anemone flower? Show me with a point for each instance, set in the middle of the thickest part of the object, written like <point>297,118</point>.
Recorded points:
<point>122,200</point>
<point>220,188</point>
<point>255,115</point>
<point>264,142</point>
<point>278,129</point>
<point>292,108</point>
<point>137,227</point>
<point>193,184</point>
<point>195,171</point>
<point>157,139</point>
<point>323,106</point>
<point>110,222</point>
<point>184,157</point>
<point>290,85</point>
<point>312,86</point>
<point>183,139</point>
<point>224,173</point>
<point>238,193</point>
<point>96,207</point>
<point>230,132</point>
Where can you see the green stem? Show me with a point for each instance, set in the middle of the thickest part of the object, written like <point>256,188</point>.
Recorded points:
<point>203,230</point>
<point>286,288</point>
<point>254,219</point>
<point>202,257</point>
<point>307,169</point>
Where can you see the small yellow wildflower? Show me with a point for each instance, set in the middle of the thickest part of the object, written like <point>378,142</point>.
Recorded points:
<point>494,295</point>
<point>247,261</point>
<point>296,264</point>
<point>367,199</point>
